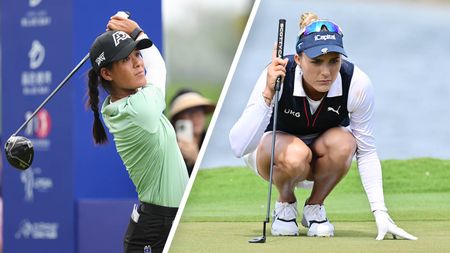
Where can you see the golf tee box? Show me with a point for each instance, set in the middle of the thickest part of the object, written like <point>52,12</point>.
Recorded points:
<point>76,196</point>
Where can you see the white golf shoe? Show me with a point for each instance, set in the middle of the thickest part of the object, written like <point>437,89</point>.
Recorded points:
<point>315,218</point>
<point>285,219</point>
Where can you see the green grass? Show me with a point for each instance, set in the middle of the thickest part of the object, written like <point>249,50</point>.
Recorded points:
<point>226,207</point>
<point>206,237</point>
<point>237,194</point>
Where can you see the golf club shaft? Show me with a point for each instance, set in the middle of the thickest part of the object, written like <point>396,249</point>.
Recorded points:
<point>280,49</point>
<point>53,93</point>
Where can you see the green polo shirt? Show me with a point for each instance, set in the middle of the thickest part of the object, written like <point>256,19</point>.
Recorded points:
<point>147,144</point>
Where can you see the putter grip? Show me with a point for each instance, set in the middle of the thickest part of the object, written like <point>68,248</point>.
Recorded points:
<point>280,46</point>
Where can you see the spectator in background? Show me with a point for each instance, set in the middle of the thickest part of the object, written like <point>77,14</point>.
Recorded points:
<point>188,112</point>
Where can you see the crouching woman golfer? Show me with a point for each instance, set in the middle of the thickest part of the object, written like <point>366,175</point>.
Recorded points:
<point>325,115</point>
<point>144,137</point>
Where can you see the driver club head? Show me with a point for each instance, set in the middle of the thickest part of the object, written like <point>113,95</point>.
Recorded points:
<point>19,152</point>
<point>261,239</point>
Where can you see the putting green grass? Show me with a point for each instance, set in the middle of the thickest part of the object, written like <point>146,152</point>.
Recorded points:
<point>216,237</point>
<point>226,208</point>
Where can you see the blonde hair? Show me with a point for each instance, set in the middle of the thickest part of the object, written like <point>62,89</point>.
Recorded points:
<point>306,19</point>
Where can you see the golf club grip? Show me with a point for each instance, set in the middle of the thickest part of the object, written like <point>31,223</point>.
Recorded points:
<point>53,93</point>
<point>280,47</point>
<point>124,14</point>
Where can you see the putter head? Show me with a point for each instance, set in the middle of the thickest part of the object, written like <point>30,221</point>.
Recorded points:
<point>261,239</point>
<point>19,152</point>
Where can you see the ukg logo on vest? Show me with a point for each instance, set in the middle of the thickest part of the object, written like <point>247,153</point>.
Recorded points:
<point>292,112</point>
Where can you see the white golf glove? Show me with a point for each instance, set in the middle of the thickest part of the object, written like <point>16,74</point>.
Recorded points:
<point>386,225</point>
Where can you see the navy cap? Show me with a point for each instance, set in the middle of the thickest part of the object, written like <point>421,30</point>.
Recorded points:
<point>112,46</point>
<point>320,43</point>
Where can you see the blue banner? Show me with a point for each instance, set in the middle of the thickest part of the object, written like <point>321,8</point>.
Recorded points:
<point>39,209</point>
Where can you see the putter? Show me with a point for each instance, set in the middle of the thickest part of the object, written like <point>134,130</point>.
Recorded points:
<point>19,150</point>
<point>280,49</point>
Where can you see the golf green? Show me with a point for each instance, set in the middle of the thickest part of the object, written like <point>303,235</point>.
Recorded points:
<point>226,208</point>
<point>350,237</point>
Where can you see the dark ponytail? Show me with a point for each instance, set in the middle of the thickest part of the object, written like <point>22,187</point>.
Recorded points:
<point>98,130</point>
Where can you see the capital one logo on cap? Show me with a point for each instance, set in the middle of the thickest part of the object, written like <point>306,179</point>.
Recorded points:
<point>119,36</point>
<point>325,37</point>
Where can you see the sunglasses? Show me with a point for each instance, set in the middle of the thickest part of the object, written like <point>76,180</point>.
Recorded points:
<point>318,25</point>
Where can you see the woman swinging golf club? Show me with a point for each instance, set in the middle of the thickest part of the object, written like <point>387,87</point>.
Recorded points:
<point>324,116</point>
<point>144,137</point>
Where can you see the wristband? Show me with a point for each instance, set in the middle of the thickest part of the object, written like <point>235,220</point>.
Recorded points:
<point>134,35</point>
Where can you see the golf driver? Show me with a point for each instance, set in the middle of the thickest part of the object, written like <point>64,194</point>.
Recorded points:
<point>19,150</point>
<point>280,49</point>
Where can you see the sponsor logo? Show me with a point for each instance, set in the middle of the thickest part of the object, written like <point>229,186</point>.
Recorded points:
<point>299,47</point>
<point>34,3</point>
<point>100,58</point>
<point>119,36</point>
<point>36,82</point>
<point>147,249</point>
<point>36,54</point>
<point>325,37</point>
<point>334,110</point>
<point>324,50</point>
<point>37,230</point>
<point>35,17</point>
<point>32,182</point>
<point>291,112</point>
<point>40,127</point>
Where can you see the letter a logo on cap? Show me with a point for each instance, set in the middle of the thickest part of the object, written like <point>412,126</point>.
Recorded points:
<point>119,36</point>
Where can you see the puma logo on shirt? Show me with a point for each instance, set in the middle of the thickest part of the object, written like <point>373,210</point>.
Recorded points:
<point>333,110</point>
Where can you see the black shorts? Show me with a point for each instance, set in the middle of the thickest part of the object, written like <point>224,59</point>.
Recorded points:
<point>150,233</point>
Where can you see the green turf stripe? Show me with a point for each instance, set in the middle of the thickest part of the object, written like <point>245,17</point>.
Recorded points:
<point>415,189</point>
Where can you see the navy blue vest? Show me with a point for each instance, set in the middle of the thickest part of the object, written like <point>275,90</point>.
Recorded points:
<point>294,115</point>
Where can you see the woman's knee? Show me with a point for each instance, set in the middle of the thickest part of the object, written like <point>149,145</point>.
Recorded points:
<point>346,150</point>
<point>294,160</point>
<point>292,156</point>
<point>339,141</point>
<point>337,146</point>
